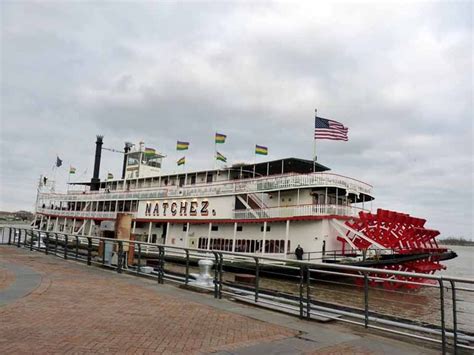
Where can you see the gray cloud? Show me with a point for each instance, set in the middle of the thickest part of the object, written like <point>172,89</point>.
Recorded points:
<point>398,75</point>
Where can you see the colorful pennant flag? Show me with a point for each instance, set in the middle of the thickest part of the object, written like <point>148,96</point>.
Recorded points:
<point>181,161</point>
<point>150,151</point>
<point>182,145</point>
<point>221,157</point>
<point>72,170</point>
<point>220,138</point>
<point>261,150</point>
<point>110,176</point>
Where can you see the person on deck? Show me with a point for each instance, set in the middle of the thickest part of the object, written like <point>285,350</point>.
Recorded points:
<point>299,252</point>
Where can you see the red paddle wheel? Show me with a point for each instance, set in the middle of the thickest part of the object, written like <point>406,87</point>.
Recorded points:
<point>402,236</point>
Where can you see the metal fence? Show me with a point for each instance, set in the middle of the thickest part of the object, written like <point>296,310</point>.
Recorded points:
<point>433,308</point>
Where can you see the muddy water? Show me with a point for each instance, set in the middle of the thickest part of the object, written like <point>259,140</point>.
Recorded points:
<point>420,306</point>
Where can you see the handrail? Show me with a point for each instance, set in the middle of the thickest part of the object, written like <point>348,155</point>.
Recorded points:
<point>237,186</point>
<point>277,260</point>
<point>66,245</point>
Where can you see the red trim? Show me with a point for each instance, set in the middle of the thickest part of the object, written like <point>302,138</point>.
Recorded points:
<point>220,221</point>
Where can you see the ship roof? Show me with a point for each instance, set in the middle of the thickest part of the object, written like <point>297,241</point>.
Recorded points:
<point>265,168</point>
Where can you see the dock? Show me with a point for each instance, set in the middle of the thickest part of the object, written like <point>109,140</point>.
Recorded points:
<point>51,305</point>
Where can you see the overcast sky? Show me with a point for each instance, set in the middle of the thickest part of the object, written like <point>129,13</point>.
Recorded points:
<point>398,75</point>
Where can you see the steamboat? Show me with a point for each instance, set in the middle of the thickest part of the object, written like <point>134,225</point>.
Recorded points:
<point>265,209</point>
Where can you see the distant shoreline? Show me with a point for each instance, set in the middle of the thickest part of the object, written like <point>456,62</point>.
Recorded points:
<point>457,242</point>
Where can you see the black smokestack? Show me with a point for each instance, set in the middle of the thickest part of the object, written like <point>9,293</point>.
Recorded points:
<point>126,150</point>
<point>95,182</point>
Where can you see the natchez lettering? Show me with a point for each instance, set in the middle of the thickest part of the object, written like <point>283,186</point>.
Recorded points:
<point>183,208</point>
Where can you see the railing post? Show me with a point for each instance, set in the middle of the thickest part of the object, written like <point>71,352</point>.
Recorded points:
<point>139,265</point>
<point>46,249</point>
<point>9,235</point>
<point>104,243</point>
<point>31,241</point>
<point>216,275</point>
<point>65,246</point>
<point>455,317</point>
<point>186,279</point>
<point>443,325</point>
<point>161,255</point>
<point>120,257</point>
<point>257,278</point>
<point>19,238</point>
<point>56,246</point>
<point>301,291</point>
<point>221,267</point>
<point>77,247</point>
<point>89,251</point>
<point>308,290</point>
<point>366,300</point>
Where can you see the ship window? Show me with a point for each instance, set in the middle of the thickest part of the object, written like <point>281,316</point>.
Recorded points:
<point>185,227</point>
<point>181,181</point>
<point>112,206</point>
<point>268,228</point>
<point>134,206</point>
<point>153,238</point>
<point>239,228</point>
<point>193,179</point>
<point>133,159</point>
<point>209,178</point>
<point>214,228</point>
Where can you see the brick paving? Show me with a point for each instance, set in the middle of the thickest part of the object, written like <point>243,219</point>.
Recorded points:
<point>79,309</point>
<point>6,278</point>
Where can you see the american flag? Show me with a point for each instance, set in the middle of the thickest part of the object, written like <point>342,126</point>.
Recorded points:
<point>329,129</point>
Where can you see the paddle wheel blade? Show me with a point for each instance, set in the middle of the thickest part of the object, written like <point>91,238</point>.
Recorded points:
<point>401,242</point>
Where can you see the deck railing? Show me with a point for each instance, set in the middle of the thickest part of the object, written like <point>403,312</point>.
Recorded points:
<point>434,308</point>
<point>297,211</point>
<point>262,184</point>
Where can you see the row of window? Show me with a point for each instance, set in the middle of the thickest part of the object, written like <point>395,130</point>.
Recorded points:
<point>95,206</point>
<point>244,245</point>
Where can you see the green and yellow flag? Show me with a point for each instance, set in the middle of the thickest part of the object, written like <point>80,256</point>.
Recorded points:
<point>150,151</point>
<point>181,161</point>
<point>182,145</point>
<point>110,176</point>
<point>261,150</point>
<point>220,138</point>
<point>72,170</point>
<point>221,157</point>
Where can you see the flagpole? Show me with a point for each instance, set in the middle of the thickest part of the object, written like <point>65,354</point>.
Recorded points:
<point>215,152</point>
<point>314,141</point>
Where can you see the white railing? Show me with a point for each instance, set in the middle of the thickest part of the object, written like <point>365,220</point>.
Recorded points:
<point>298,211</point>
<point>86,214</point>
<point>282,182</point>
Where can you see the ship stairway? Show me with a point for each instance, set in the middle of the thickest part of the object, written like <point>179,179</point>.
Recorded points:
<point>254,205</point>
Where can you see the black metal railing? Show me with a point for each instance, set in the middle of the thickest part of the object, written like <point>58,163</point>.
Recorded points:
<point>439,309</point>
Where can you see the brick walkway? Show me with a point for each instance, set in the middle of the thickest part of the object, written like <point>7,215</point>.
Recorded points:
<point>78,309</point>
